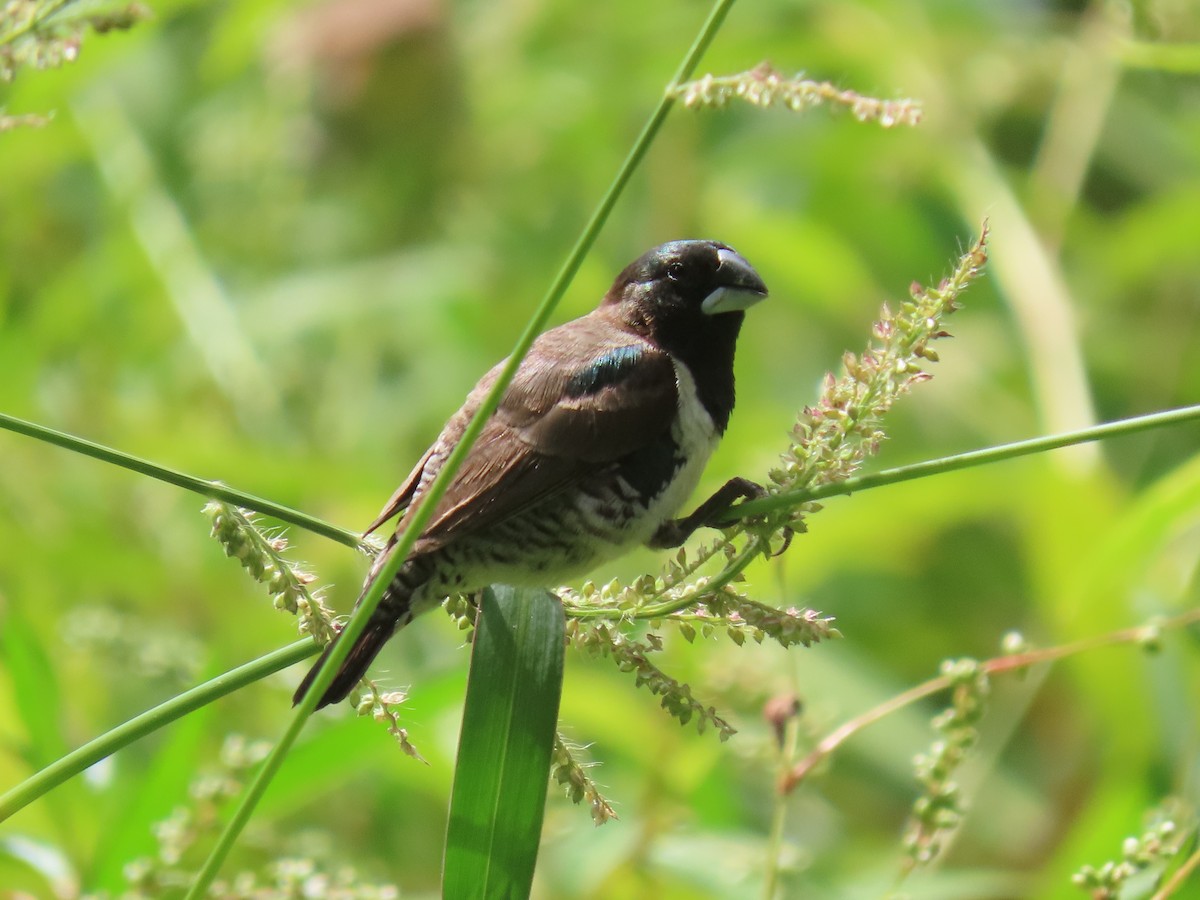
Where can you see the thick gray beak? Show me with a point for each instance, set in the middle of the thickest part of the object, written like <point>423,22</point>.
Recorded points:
<point>740,286</point>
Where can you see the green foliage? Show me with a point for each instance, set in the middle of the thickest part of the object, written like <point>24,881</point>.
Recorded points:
<point>258,244</point>
<point>280,867</point>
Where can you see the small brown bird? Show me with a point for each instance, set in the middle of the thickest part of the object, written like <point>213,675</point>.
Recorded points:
<point>596,444</point>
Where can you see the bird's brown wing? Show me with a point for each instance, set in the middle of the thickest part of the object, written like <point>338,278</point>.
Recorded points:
<point>571,410</point>
<point>400,500</point>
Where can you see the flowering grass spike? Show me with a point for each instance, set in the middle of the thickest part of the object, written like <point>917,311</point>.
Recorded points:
<point>764,86</point>
<point>261,554</point>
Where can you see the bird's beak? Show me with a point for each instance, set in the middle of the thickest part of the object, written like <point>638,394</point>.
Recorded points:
<point>740,286</point>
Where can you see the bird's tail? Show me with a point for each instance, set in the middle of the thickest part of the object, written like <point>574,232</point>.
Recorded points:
<point>365,649</point>
<point>395,610</point>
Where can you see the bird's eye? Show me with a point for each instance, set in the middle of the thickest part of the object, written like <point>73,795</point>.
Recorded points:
<point>675,271</point>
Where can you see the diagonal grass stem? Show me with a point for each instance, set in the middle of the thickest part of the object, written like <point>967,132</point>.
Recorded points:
<point>126,733</point>
<point>417,517</point>
<point>967,460</point>
<point>211,489</point>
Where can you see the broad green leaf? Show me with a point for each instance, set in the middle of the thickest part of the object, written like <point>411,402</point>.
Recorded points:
<point>504,750</point>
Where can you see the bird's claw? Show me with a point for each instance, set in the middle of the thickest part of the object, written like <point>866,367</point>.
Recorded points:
<point>788,533</point>
<point>750,491</point>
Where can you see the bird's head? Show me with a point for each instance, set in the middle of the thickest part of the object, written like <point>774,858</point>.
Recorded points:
<point>681,289</point>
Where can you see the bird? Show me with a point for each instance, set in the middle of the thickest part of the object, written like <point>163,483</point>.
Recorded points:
<point>596,444</point>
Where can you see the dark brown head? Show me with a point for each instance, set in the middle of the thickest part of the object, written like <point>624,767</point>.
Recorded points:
<point>689,297</point>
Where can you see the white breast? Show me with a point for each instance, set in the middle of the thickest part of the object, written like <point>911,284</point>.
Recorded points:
<point>696,436</point>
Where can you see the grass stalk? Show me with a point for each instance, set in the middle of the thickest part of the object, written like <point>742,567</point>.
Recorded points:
<point>419,516</point>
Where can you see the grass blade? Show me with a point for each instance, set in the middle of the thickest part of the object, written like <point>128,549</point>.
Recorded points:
<point>36,691</point>
<point>504,750</point>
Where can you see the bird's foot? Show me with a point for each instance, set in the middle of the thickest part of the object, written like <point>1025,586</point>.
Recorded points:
<point>709,514</point>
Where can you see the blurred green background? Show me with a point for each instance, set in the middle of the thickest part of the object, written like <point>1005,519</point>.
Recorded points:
<point>275,244</point>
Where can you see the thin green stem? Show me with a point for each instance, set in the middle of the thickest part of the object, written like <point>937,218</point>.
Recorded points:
<point>213,489</point>
<point>219,491</point>
<point>745,556</point>
<point>417,518</point>
<point>138,727</point>
<point>787,756</point>
<point>241,816</point>
<point>789,499</point>
<point>735,567</point>
<point>995,666</point>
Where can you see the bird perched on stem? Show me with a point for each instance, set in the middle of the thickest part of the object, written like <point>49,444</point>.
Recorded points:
<point>596,444</point>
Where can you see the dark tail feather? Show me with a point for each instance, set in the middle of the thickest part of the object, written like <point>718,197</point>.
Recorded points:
<point>370,642</point>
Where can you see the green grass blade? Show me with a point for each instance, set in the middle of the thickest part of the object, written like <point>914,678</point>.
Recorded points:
<point>36,692</point>
<point>503,768</point>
